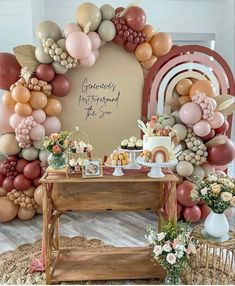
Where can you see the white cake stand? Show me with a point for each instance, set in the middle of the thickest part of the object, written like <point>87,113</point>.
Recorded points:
<point>117,170</point>
<point>156,171</point>
<point>132,157</point>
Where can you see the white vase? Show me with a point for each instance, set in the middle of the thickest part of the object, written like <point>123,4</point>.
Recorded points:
<point>216,225</point>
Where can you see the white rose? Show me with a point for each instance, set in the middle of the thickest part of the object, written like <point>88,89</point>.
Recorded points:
<point>212,178</point>
<point>167,247</point>
<point>226,196</point>
<point>161,236</point>
<point>233,201</point>
<point>204,191</point>
<point>170,258</point>
<point>157,250</point>
<point>72,162</point>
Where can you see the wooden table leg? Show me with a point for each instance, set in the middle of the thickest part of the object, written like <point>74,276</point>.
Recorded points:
<point>171,204</point>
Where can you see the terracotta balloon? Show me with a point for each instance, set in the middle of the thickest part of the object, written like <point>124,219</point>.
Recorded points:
<point>39,115</point>
<point>203,85</point>
<point>223,128</point>
<point>190,113</point>
<point>8,210</point>
<point>38,100</point>
<point>184,168</point>
<point>2,177</point>
<point>21,163</point>
<point>5,114</point>
<point>38,195</point>
<point>183,86</point>
<point>217,121</point>
<point>53,107</point>
<point>179,208</point>
<point>161,44</point>
<point>221,154</point>
<point>32,171</point>
<point>135,18</point>
<point>88,12</point>
<point>183,194</point>
<point>192,214</point>
<point>45,72</point>
<point>52,125</point>
<point>8,100</point>
<point>9,145</point>
<point>184,99</point>
<point>150,62</point>
<point>21,182</point>
<point>60,86</point>
<point>9,70</point>
<point>209,136</point>
<point>8,184</point>
<point>23,109</point>
<point>202,128</point>
<point>148,31</point>
<point>25,214</point>
<point>20,94</point>
<point>143,52</point>
<point>36,182</point>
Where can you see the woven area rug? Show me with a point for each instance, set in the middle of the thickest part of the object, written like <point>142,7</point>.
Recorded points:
<point>14,264</point>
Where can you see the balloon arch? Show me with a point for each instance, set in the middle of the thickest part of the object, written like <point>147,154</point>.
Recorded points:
<point>179,79</point>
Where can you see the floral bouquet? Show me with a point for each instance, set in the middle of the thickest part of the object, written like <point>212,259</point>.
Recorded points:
<point>217,191</point>
<point>56,143</point>
<point>172,248</point>
<point>80,147</point>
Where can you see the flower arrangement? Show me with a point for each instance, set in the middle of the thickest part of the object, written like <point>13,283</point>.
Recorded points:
<point>56,143</point>
<point>217,191</point>
<point>80,147</point>
<point>172,247</point>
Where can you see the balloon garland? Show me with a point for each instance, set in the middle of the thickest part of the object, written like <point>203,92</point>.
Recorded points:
<point>34,79</point>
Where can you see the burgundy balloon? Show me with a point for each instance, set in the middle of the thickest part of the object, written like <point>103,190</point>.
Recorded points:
<point>209,136</point>
<point>37,162</point>
<point>130,47</point>
<point>183,194</point>
<point>205,210</point>
<point>2,177</point>
<point>119,40</point>
<point>179,208</point>
<point>21,163</point>
<point>45,72</point>
<point>60,85</point>
<point>118,10</point>
<point>9,70</point>
<point>32,171</point>
<point>8,184</point>
<point>36,182</point>
<point>223,128</point>
<point>21,182</point>
<point>221,154</point>
<point>192,214</point>
<point>135,18</point>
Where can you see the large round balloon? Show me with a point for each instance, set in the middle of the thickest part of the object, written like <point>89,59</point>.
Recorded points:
<point>89,61</point>
<point>21,182</point>
<point>30,153</point>
<point>8,184</point>
<point>95,40</point>
<point>149,63</point>
<point>59,69</point>
<point>21,163</point>
<point>52,125</point>
<point>39,115</point>
<point>190,113</point>
<point>9,70</point>
<point>223,128</point>
<point>192,214</point>
<point>23,109</point>
<point>221,154</point>
<point>202,128</point>
<point>5,114</point>
<point>48,29</point>
<point>143,52</point>
<point>45,72</point>
<point>41,56</point>
<point>217,121</point>
<point>21,94</point>
<point>53,107</point>
<point>70,28</point>
<point>38,100</point>
<point>198,171</point>
<point>8,210</point>
<point>60,86</point>
<point>183,194</point>
<point>107,12</point>
<point>184,168</point>
<point>204,86</point>
<point>8,100</point>
<point>205,210</point>
<point>38,195</point>
<point>180,130</point>
<point>25,214</point>
<point>161,44</point>
<point>32,171</point>
<point>107,31</point>
<point>9,145</point>
<point>183,86</point>
<point>148,32</point>
<point>37,132</point>
<point>135,18</point>
<point>88,13</point>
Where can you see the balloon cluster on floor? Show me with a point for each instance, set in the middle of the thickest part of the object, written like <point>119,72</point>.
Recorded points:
<point>34,79</point>
<point>200,124</point>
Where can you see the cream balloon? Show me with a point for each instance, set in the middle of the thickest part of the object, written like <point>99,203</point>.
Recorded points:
<point>8,210</point>
<point>107,12</point>
<point>184,169</point>
<point>42,57</point>
<point>30,191</point>
<point>107,31</point>
<point>43,156</point>
<point>9,145</point>
<point>180,130</point>
<point>198,171</point>
<point>88,13</point>
<point>58,68</point>
<point>25,214</point>
<point>38,195</point>
<point>48,29</point>
<point>30,153</point>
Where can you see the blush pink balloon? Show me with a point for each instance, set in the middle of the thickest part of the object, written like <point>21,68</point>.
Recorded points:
<point>70,28</point>
<point>39,115</point>
<point>5,114</point>
<point>190,113</point>
<point>15,120</point>
<point>209,169</point>
<point>51,125</point>
<point>95,40</point>
<point>96,53</point>
<point>89,61</point>
<point>37,132</point>
<point>222,168</point>
<point>202,128</point>
<point>220,173</point>
<point>217,121</point>
<point>78,45</point>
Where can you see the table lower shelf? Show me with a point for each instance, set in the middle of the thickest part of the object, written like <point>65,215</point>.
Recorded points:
<point>105,263</point>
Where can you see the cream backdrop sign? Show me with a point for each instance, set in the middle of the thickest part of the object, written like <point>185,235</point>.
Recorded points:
<point>105,100</point>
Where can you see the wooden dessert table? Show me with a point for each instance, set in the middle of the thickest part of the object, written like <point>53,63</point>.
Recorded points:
<point>135,192</point>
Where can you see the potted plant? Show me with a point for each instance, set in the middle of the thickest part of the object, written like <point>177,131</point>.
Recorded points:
<point>171,249</point>
<point>56,144</point>
<point>219,194</point>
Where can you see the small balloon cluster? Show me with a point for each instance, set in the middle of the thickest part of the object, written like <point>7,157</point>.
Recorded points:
<point>28,129</point>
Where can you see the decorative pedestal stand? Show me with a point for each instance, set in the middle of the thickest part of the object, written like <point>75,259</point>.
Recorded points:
<point>133,165</point>
<point>156,171</point>
<point>117,170</point>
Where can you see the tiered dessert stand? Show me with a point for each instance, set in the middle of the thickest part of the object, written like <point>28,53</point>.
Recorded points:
<point>133,165</point>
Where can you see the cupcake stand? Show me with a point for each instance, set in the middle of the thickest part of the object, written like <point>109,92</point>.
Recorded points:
<point>117,170</point>
<point>156,171</point>
<point>133,165</point>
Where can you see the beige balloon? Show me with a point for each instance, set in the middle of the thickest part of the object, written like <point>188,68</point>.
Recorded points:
<point>180,130</point>
<point>107,12</point>
<point>8,210</point>
<point>184,169</point>
<point>25,214</point>
<point>175,114</point>
<point>30,153</point>
<point>3,192</point>
<point>48,29</point>
<point>107,31</point>
<point>29,192</point>
<point>41,56</point>
<point>61,44</point>
<point>198,171</point>
<point>88,13</point>
<point>58,68</point>
<point>39,210</point>
<point>9,145</point>
<point>38,195</point>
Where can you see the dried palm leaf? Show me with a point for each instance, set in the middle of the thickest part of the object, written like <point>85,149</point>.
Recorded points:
<point>25,55</point>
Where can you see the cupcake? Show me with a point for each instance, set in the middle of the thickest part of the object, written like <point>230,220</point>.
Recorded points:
<point>124,143</point>
<point>139,145</point>
<point>132,139</point>
<point>131,146</point>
